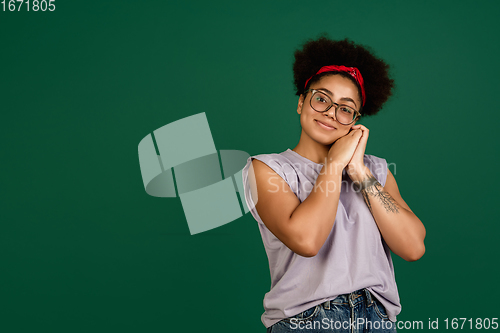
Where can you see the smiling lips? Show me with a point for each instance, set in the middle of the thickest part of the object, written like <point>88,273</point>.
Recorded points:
<point>325,126</point>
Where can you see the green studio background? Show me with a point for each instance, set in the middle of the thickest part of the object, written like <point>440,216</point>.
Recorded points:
<point>85,249</point>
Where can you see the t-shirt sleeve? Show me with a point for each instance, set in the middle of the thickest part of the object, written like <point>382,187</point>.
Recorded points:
<point>270,161</point>
<point>378,167</point>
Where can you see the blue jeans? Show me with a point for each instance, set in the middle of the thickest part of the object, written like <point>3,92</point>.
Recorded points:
<point>357,312</point>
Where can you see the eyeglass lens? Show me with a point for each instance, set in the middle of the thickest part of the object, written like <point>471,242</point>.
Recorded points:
<point>344,114</point>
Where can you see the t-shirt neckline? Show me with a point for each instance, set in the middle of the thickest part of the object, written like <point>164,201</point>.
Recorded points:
<point>304,158</point>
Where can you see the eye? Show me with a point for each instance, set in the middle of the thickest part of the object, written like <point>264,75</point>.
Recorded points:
<point>321,99</point>
<point>346,109</point>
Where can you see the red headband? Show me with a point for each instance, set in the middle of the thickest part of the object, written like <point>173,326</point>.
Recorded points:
<point>353,71</point>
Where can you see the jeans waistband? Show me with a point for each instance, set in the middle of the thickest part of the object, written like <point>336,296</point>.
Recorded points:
<point>361,295</point>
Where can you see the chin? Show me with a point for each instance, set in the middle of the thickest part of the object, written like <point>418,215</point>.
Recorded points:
<point>325,141</point>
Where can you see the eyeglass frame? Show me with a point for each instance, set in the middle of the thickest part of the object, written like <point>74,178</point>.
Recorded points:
<point>358,114</point>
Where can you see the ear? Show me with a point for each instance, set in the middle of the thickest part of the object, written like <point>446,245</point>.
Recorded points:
<point>301,102</point>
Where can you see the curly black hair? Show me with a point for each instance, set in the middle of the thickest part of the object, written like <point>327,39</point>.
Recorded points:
<point>316,53</point>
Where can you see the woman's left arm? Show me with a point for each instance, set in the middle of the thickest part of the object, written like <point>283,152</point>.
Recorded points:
<point>401,229</point>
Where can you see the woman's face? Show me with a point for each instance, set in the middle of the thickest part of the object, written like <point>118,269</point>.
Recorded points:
<point>342,91</point>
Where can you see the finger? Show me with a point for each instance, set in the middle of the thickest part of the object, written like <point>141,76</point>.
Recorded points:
<point>358,126</point>
<point>366,131</point>
<point>364,138</point>
<point>356,132</point>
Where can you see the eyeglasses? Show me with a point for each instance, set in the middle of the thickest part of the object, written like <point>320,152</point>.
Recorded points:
<point>321,102</point>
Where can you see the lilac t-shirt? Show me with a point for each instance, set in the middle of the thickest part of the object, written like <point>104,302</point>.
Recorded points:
<point>354,256</point>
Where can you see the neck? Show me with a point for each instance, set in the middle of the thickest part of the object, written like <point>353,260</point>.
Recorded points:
<point>312,150</point>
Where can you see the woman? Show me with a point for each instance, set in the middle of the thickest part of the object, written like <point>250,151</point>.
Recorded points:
<point>328,213</point>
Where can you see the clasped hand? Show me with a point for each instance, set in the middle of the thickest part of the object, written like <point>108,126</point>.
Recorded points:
<point>348,151</point>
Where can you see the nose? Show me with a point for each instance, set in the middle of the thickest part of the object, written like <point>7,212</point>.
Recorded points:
<point>331,113</point>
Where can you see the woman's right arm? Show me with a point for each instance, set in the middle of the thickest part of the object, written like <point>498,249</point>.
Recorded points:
<point>302,227</point>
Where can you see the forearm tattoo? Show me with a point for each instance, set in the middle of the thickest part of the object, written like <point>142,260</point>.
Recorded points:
<point>376,190</point>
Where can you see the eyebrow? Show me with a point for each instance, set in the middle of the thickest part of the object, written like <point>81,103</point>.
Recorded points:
<point>348,99</point>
